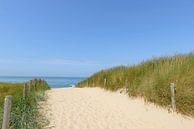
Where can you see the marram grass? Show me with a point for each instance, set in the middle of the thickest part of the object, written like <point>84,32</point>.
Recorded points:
<point>151,80</point>
<point>24,112</point>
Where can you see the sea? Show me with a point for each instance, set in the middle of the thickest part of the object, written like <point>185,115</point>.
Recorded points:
<point>53,82</point>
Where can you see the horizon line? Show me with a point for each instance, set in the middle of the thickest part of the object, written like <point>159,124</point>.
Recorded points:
<point>32,76</point>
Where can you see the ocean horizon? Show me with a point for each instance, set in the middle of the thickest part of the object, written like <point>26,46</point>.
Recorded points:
<point>53,82</point>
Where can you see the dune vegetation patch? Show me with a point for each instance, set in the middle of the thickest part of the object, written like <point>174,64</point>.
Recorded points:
<point>151,80</point>
<point>24,111</point>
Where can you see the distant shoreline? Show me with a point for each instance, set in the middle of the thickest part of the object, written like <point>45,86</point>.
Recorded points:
<point>10,76</point>
<point>53,82</point>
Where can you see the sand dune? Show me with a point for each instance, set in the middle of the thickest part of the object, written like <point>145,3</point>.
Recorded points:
<point>94,108</point>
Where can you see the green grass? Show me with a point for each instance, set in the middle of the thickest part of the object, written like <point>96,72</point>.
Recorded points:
<point>151,80</point>
<point>10,89</point>
<point>24,112</point>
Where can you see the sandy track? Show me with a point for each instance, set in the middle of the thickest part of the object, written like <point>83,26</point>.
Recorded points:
<point>94,108</point>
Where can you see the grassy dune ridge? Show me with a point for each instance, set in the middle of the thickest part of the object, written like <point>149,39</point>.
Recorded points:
<point>151,80</point>
<point>24,112</point>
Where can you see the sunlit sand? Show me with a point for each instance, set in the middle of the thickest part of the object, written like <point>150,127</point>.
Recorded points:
<point>95,108</point>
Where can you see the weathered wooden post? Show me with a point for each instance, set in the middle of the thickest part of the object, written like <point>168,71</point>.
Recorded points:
<point>7,110</point>
<point>25,88</point>
<point>30,86</point>
<point>126,85</point>
<point>105,82</point>
<point>173,101</point>
<point>35,83</point>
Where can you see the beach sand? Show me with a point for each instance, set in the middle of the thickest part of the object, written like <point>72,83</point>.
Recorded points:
<point>95,108</point>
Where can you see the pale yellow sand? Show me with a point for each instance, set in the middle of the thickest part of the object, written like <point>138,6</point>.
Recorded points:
<point>94,108</point>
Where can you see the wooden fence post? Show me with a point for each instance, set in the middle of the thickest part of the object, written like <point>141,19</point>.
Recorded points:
<point>105,82</point>
<point>25,88</point>
<point>30,86</point>
<point>35,83</point>
<point>7,110</point>
<point>173,101</point>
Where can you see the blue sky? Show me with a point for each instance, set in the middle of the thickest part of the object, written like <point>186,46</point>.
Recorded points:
<point>80,37</point>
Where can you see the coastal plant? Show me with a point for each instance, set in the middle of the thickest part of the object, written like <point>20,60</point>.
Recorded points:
<point>151,80</point>
<point>24,111</point>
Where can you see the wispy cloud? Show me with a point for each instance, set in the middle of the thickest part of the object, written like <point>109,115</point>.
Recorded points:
<point>6,61</point>
<point>47,61</point>
<point>67,62</point>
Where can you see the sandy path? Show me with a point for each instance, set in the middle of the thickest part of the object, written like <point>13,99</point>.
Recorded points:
<point>94,108</point>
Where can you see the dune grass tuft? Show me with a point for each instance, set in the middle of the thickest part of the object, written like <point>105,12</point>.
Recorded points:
<point>24,111</point>
<point>151,80</point>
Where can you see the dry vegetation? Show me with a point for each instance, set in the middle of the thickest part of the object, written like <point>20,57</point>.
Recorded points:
<point>151,80</point>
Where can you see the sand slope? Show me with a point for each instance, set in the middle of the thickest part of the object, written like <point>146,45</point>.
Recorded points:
<point>94,108</point>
